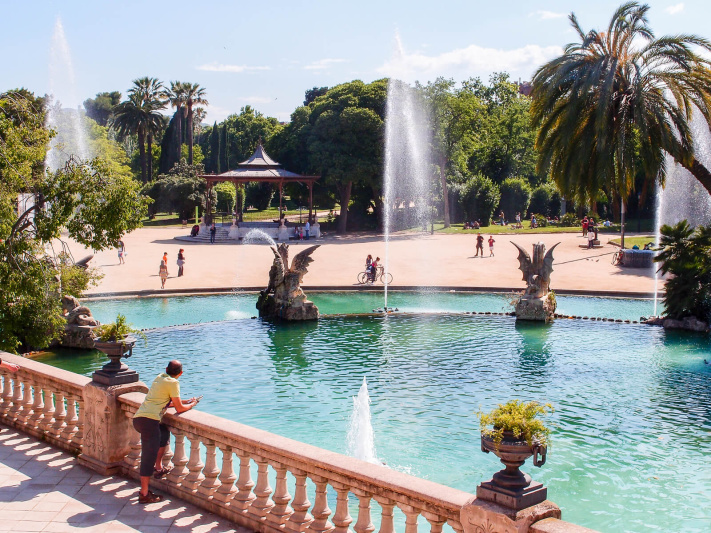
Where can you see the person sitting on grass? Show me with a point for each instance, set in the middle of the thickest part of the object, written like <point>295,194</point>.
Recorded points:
<point>164,393</point>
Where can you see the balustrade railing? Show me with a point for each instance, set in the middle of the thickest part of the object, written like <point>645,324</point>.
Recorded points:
<point>45,402</point>
<point>199,477</point>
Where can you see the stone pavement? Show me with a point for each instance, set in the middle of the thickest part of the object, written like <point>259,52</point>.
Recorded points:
<point>44,489</point>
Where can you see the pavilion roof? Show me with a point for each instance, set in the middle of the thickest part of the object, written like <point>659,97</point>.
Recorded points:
<point>259,167</point>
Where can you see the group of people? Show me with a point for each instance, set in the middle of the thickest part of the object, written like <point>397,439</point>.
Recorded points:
<point>163,269</point>
<point>302,233</point>
<point>472,225</point>
<point>590,230</point>
<point>371,267</point>
<point>480,245</point>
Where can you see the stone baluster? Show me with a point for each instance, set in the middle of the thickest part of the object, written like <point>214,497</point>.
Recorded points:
<point>436,521</point>
<point>60,414</point>
<point>195,465</point>
<point>48,412</point>
<point>262,504</point>
<point>411,514</point>
<point>281,511</point>
<point>3,382</point>
<point>37,408</point>
<point>387,523</point>
<point>300,518</point>
<point>456,525</point>
<point>16,397</point>
<point>78,437</point>
<point>180,458</point>
<point>26,406</point>
<point>71,420</point>
<point>133,458</point>
<point>167,461</point>
<point>7,393</point>
<point>321,512</point>
<point>342,519</point>
<point>244,497</point>
<point>364,524</point>
<point>210,483</point>
<point>227,490</point>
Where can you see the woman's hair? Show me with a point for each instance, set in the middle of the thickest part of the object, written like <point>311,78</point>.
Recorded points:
<point>162,263</point>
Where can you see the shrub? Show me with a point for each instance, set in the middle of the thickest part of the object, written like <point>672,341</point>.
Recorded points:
<point>569,220</point>
<point>116,331</point>
<point>226,197</point>
<point>479,197</point>
<point>515,197</point>
<point>545,199</point>
<point>541,220</point>
<point>259,195</point>
<point>520,418</point>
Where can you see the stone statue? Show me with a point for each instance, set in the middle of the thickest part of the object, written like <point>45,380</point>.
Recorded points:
<point>288,301</point>
<point>537,301</point>
<point>78,331</point>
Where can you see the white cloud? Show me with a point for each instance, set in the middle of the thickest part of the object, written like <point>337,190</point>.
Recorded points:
<point>547,15</point>
<point>323,64</point>
<point>470,61</point>
<point>676,8</point>
<point>219,67</point>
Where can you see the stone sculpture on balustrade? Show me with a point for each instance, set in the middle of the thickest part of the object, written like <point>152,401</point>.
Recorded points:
<point>283,297</point>
<point>537,302</point>
<point>78,331</point>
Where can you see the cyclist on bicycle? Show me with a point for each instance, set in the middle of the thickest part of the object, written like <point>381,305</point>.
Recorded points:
<point>374,269</point>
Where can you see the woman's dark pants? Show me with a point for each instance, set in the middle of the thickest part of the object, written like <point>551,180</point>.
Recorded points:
<point>154,435</point>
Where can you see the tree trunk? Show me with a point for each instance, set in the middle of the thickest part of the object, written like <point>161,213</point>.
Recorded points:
<point>445,191</point>
<point>622,224</point>
<point>345,200</point>
<point>700,172</point>
<point>190,133</point>
<point>150,156</point>
<point>179,124</point>
<point>142,153</point>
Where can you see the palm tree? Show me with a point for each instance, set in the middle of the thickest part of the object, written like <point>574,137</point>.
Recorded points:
<point>194,94</point>
<point>199,115</point>
<point>615,102</point>
<point>152,95</point>
<point>130,119</point>
<point>176,95</point>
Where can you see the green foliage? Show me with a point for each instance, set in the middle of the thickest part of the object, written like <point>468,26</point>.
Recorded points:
<point>541,220</point>
<point>521,418</point>
<point>179,191</point>
<point>198,157</point>
<point>245,131</point>
<point>515,197</point>
<point>686,254</point>
<point>545,199</point>
<point>117,330</point>
<point>311,94</point>
<point>100,108</point>
<point>259,195</point>
<point>569,220</point>
<point>74,279</point>
<point>226,197</point>
<point>213,161</point>
<point>480,196</point>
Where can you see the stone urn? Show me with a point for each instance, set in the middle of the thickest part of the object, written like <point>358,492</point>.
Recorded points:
<point>115,372</point>
<point>510,487</point>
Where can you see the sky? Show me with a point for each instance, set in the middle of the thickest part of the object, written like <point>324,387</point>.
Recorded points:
<point>267,54</point>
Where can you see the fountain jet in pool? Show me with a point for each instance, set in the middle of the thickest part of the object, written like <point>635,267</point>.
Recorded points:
<point>407,161</point>
<point>361,440</point>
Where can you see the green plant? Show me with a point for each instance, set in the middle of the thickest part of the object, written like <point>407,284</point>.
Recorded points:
<point>541,220</point>
<point>520,418</point>
<point>116,331</point>
<point>569,220</point>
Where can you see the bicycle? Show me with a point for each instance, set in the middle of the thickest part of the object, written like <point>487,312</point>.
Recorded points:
<point>364,277</point>
<point>618,258</point>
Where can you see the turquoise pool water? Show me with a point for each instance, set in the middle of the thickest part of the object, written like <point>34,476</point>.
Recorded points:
<point>633,403</point>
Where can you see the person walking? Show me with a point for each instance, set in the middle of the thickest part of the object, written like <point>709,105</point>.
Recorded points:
<point>479,245</point>
<point>181,261</point>
<point>585,226</point>
<point>164,393</point>
<point>213,232</point>
<point>591,238</point>
<point>163,273</point>
<point>165,257</point>
<point>307,229</point>
<point>491,246</point>
<point>121,252</point>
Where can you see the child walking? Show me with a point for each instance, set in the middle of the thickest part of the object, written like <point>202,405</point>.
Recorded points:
<point>491,246</point>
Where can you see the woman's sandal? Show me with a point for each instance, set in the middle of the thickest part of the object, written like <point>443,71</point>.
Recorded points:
<point>161,473</point>
<point>149,498</point>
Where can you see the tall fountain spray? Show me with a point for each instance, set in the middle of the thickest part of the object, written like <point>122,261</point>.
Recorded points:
<point>407,161</point>
<point>66,122</point>
<point>361,440</point>
<point>683,197</point>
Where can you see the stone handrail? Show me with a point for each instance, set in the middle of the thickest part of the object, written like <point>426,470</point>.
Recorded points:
<point>43,401</point>
<point>261,508</point>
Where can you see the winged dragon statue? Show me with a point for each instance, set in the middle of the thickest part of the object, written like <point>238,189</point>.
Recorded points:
<point>283,297</point>
<point>537,302</point>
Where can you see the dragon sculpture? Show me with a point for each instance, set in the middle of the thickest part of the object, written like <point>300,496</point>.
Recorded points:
<point>537,301</point>
<point>283,297</point>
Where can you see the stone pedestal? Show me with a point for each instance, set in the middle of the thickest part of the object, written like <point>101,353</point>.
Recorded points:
<point>76,336</point>
<point>107,428</point>
<point>478,516</point>
<point>269,308</point>
<point>234,232</point>
<point>533,308</point>
<point>316,230</point>
<point>283,234</point>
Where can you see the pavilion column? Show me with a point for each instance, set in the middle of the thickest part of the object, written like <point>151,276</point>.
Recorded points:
<point>281,197</point>
<point>311,202</point>
<point>208,208</point>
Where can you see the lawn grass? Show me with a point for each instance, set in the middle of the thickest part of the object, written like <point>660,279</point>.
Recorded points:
<point>165,220</point>
<point>639,240</point>
<point>495,229</point>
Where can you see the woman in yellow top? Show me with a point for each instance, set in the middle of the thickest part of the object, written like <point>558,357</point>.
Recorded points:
<point>164,393</point>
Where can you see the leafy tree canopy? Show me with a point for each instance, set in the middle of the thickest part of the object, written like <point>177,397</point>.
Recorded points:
<point>100,108</point>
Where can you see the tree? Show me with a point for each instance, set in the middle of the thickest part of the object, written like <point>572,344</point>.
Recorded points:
<point>180,191</point>
<point>615,102</point>
<point>225,152</point>
<point>193,94</point>
<point>101,107</point>
<point>213,163</point>
<point>176,95</point>
<point>311,94</point>
<point>246,130</point>
<point>515,197</point>
<point>545,200</point>
<point>226,197</point>
<point>686,254</point>
<point>151,94</point>
<point>259,195</point>
<point>455,115</point>
<point>480,196</point>
<point>94,206</point>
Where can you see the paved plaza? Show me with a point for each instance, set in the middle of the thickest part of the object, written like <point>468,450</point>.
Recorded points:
<point>44,489</point>
<point>414,260</point>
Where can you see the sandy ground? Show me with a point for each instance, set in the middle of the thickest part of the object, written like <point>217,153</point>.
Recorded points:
<point>414,260</point>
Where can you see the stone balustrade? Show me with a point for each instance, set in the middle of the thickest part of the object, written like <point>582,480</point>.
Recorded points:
<point>44,401</point>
